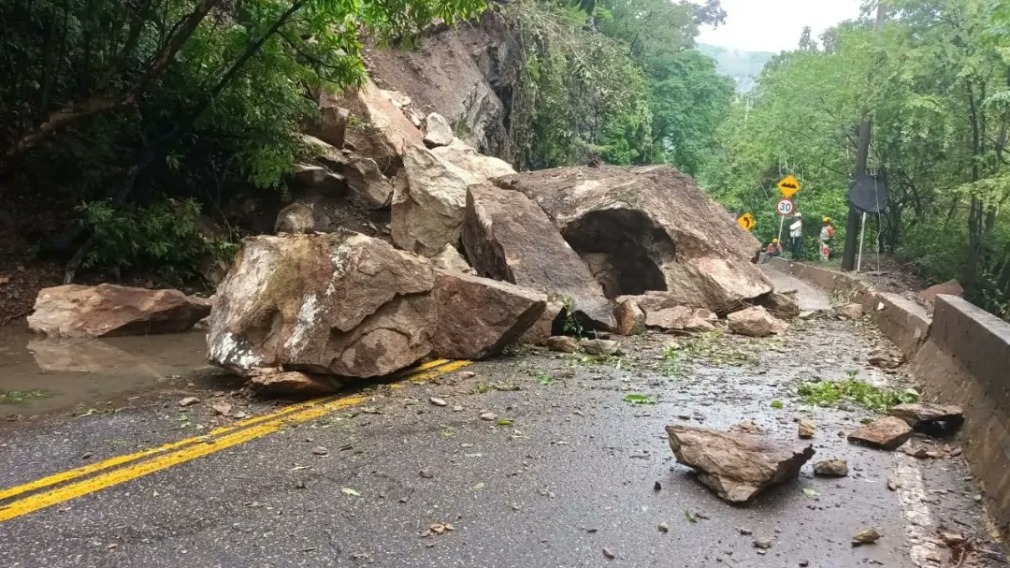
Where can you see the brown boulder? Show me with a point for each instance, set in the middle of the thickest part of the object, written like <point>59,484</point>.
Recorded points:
<point>478,317</point>
<point>851,311</point>
<point>437,131</point>
<point>507,237</point>
<point>949,288</point>
<point>735,465</point>
<point>934,419</point>
<point>886,358</point>
<point>368,185</point>
<point>562,344</point>
<point>806,429</point>
<point>450,259</point>
<point>543,329</point>
<point>678,318</point>
<point>108,310</point>
<point>755,322</point>
<point>887,433</point>
<point>336,304</point>
<point>781,306</point>
<point>831,468</point>
<point>629,317</point>
<point>293,383</point>
<point>656,228</point>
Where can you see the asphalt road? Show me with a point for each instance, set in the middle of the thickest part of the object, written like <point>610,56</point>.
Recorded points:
<point>565,475</point>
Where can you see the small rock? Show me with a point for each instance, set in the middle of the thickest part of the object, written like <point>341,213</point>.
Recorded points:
<point>599,347</point>
<point>763,543</point>
<point>189,401</point>
<point>464,375</point>
<point>438,401</point>
<point>886,358</point>
<point>488,416</point>
<point>887,433</point>
<point>952,539</point>
<point>745,531</point>
<point>806,429</point>
<point>222,408</point>
<point>657,486</point>
<point>831,468</point>
<point>932,419</point>
<point>457,408</point>
<point>893,484</point>
<point>320,451</point>
<point>748,427</point>
<point>427,473</point>
<point>865,536</point>
<point>609,554</point>
<point>851,311</point>
<point>562,344</point>
<point>755,322</point>
<point>664,528</point>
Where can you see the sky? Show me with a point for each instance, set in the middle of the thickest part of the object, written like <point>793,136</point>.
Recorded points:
<point>775,25</point>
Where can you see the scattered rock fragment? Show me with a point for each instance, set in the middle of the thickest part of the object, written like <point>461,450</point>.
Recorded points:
<point>806,429</point>
<point>886,358</point>
<point>222,408</point>
<point>736,466</point>
<point>677,318</point>
<point>437,131</point>
<point>320,451</point>
<point>562,344</point>
<point>887,433</point>
<point>952,539</point>
<point>609,554</point>
<point>851,311</point>
<point>663,527</point>
<point>600,347</point>
<point>189,401</point>
<point>292,383</point>
<point>438,401</point>
<point>831,468</point>
<point>865,536</point>
<point>782,306</point>
<point>489,416</point>
<point>748,427</point>
<point>932,419</point>
<point>755,322</point>
<point>763,543</point>
<point>630,318</point>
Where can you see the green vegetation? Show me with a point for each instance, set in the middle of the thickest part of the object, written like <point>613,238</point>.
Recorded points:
<point>636,398</point>
<point>932,77</point>
<point>21,396</point>
<point>853,390</point>
<point>122,121</point>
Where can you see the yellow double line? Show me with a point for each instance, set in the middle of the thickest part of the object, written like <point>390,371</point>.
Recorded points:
<point>108,473</point>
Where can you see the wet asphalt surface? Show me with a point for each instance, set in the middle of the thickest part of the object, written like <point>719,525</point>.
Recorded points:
<point>567,469</point>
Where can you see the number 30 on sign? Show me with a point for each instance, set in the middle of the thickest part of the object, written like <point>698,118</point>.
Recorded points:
<point>785,207</point>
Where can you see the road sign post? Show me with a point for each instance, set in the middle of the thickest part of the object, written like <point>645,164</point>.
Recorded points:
<point>788,187</point>
<point>785,207</point>
<point>746,221</point>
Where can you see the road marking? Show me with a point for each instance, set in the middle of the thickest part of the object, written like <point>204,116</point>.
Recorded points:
<point>182,451</point>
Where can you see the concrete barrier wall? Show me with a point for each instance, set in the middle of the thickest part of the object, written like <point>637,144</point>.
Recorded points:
<point>966,361</point>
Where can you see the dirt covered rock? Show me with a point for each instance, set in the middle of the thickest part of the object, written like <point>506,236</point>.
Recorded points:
<point>887,433</point>
<point>756,322</point>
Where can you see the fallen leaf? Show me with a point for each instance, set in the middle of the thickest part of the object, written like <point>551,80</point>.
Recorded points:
<point>811,493</point>
<point>351,492</point>
<point>504,422</point>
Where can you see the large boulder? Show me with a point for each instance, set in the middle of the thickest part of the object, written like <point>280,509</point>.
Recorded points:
<point>933,419</point>
<point>108,310</point>
<point>428,209</point>
<point>368,185</point>
<point>658,230</point>
<point>479,317</point>
<point>629,318</point>
<point>735,465</point>
<point>450,259</point>
<point>507,237</point>
<point>756,322</point>
<point>336,304</point>
<point>378,130</point>
<point>677,318</point>
<point>437,131</point>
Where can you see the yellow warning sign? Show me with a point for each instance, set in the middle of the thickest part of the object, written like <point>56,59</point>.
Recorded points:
<point>789,186</point>
<point>746,221</point>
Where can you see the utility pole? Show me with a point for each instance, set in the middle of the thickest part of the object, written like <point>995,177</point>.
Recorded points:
<point>862,157</point>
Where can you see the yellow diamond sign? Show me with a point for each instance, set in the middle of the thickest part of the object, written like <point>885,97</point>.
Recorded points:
<point>789,186</point>
<point>746,221</point>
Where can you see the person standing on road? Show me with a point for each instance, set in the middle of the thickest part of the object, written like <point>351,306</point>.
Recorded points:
<point>827,233</point>
<point>796,236</point>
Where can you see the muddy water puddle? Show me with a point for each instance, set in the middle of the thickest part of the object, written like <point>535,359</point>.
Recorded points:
<point>40,374</point>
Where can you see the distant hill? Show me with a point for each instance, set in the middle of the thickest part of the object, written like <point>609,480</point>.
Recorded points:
<point>744,67</point>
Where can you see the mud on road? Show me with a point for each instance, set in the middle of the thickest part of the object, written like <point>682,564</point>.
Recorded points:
<point>536,459</point>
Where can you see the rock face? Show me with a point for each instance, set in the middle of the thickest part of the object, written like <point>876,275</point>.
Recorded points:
<point>755,322</point>
<point>507,237</point>
<point>933,419</point>
<point>107,310</point>
<point>478,317</point>
<point>656,229</point>
<point>629,318</point>
<point>887,433</point>
<point>469,160</point>
<point>336,304</point>
<point>450,259</point>
<point>736,466</point>
<point>437,131</point>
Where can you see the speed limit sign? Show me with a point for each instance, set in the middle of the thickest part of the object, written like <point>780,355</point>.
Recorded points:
<point>785,207</point>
